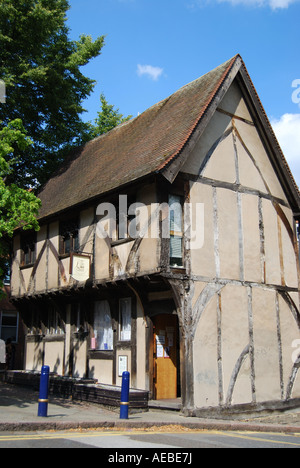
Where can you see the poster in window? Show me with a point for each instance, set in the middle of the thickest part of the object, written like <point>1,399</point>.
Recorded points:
<point>103,331</point>
<point>159,351</point>
<point>80,267</point>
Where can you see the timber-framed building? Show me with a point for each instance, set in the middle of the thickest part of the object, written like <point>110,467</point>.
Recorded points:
<point>212,322</point>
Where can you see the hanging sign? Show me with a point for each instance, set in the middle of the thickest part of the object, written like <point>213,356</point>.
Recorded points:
<point>80,267</point>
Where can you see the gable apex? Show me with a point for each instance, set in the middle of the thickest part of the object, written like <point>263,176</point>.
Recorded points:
<point>205,112</point>
<point>256,114</point>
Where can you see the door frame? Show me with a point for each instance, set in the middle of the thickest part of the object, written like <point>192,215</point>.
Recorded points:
<point>151,353</point>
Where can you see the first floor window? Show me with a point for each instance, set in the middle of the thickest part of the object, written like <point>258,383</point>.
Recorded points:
<point>176,231</point>
<point>69,237</point>
<point>125,319</point>
<point>28,250</point>
<point>103,331</point>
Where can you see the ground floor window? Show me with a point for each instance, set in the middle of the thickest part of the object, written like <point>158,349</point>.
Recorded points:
<point>55,324</point>
<point>34,323</point>
<point>125,319</point>
<point>103,330</point>
<point>9,326</point>
<point>79,319</point>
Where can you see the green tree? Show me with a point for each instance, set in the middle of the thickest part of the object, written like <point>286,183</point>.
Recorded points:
<point>45,87</point>
<point>18,207</point>
<point>108,118</point>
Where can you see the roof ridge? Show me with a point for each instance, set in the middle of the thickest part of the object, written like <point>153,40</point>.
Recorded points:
<point>229,64</point>
<point>147,144</point>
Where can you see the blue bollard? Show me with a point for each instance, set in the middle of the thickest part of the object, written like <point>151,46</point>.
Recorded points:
<point>44,392</point>
<point>124,406</point>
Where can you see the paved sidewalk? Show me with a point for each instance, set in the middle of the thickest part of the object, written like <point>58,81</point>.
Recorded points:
<point>18,412</point>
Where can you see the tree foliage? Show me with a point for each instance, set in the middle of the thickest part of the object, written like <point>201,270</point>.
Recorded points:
<point>45,87</point>
<point>18,207</point>
<point>41,119</point>
<point>108,118</point>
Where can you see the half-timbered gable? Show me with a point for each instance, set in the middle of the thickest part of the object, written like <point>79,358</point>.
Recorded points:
<point>168,248</point>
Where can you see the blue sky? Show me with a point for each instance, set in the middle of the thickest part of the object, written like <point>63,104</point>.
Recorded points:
<point>153,47</point>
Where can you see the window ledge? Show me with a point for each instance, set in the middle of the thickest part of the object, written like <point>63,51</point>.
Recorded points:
<point>101,354</point>
<point>178,269</point>
<point>54,337</point>
<point>63,256</point>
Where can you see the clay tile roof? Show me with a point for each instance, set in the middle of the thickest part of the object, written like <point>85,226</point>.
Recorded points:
<point>143,146</point>
<point>133,150</point>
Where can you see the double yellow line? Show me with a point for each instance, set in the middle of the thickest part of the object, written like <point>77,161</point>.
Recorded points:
<point>250,436</point>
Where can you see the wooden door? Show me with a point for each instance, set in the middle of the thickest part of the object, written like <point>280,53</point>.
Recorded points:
<point>165,356</point>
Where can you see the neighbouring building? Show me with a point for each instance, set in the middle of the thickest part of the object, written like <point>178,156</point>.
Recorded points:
<point>168,248</point>
<point>11,334</point>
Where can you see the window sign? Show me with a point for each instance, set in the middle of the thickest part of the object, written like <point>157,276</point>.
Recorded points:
<point>159,351</point>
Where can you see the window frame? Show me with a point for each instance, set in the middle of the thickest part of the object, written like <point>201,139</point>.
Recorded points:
<point>96,346</point>
<point>8,313</point>
<point>176,262</point>
<point>35,325</point>
<point>68,232</point>
<point>55,324</point>
<point>111,218</point>
<point>28,250</point>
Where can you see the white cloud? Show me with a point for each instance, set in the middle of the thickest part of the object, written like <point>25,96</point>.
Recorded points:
<point>287,130</point>
<point>280,4</point>
<point>273,4</point>
<point>152,72</point>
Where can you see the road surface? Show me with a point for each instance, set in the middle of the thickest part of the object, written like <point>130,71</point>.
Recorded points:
<point>140,439</point>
